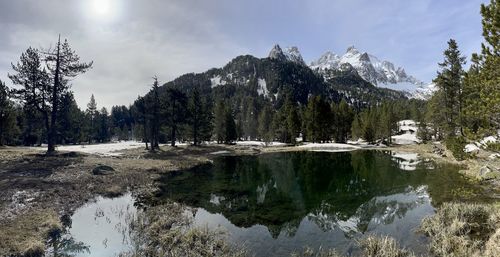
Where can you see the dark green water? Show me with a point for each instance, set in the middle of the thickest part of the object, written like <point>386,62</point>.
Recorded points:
<point>277,203</point>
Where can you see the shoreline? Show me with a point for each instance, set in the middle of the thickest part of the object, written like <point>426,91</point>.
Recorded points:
<point>54,186</point>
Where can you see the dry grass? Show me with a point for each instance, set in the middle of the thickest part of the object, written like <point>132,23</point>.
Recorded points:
<point>27,234</point>
<point>383,247</point>
<point>309,252</point>
<point>460,229</point>
<point>166,231</point>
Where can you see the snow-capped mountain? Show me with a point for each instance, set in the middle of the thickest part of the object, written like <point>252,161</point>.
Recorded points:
<point>288,54</point>
<point>372,69</point>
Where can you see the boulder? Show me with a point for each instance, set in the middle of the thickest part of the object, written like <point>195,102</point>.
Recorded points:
<point>487,173</point>
<point>103,170</point>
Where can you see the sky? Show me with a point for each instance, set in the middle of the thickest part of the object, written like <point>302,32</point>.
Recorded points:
<point>130,41</point>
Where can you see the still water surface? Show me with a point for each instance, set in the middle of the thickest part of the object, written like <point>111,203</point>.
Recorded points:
<point>277,203</point>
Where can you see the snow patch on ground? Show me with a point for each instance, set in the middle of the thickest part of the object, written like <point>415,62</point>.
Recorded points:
<point>405,139</point>
<point>329,147</point>
<point>107,149</point>
<point>469,148</point>
<point>220,152</point>
<point>262,89</point>
<point>409,129</point>
<point>258,143</point>
<point>216,81</point>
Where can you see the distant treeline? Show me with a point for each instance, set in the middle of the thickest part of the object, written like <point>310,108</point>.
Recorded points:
<point>169,115</point>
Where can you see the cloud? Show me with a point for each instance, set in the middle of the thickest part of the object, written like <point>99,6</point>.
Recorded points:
<point>140,39</point>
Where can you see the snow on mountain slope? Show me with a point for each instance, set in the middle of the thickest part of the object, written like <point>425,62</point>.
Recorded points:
<point>380,73</point>
<point>291,54</point>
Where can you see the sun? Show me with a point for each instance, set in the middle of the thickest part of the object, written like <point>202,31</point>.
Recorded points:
<point>102,7</point>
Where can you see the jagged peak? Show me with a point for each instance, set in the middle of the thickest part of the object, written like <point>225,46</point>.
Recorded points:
<point>276,53</point>
<point>364,57</point>
<point>290,53</point>
<point>352,49</point>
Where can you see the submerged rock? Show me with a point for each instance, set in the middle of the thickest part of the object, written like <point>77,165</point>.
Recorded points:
<point>103,170</point>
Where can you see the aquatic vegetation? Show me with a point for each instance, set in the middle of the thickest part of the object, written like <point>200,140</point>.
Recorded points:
<point>166,230</point>
<point>461,229</point>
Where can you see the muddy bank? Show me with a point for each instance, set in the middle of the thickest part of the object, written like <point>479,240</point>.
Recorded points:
<point>32,183</point>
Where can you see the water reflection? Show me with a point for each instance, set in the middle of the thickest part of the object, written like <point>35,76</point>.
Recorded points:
<point>277,203</point>
<point>103,225</point>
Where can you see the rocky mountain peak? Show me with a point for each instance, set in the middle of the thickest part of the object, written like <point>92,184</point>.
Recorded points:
<point>370,68</point>
<point>364,57</point>
<point>352,50</point>
<point>291,54</point>
<point>277,53</point>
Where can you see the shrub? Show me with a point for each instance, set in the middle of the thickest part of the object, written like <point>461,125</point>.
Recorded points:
<point>494,147</point>
<point>456,145</point>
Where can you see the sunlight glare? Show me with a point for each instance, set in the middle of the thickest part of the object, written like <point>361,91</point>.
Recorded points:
<point>102,7</point>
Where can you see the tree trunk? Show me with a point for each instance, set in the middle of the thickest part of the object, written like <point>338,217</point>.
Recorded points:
<point>174,127</point>
<point>52,132</point>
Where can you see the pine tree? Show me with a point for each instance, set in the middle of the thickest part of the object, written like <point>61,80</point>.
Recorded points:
<point>356,129</point>
<point>230,126</point>
<point>199,117</point>
<point>103,126</point>
<point>8,126</point>
<point>265,130</point>
<point>219,122</point>
<point>369,120</point>
<point>342,116</point>
<point>139,110</point>
<point>70,120</point>
<point>154,124</point>
<point>63,63</point>
<point>482,82</point>
<point>91,114</point>
<point>176,109</point>
<point>387,124</point>
<point>450,87</point>
<point>34,91</point>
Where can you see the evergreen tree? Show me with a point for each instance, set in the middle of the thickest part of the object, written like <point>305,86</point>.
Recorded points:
<point>34,93</point>
<point>448,101</point>
<point>230,126</point>
<point>199,117</point>
<point>70,120</point>
<point>176,109</point>
<point>8,126</point>
<point>103,126</point>
<point>154,124</point>
<point>319,120</point>
<point>91,114</point>
<point>265,130</point>
<point>139,110</point>
<point>387,124</point>
<point>482,83</point>
<point>219,122</point>
<point>63,63</point>
<point>369,120</point>
<point>343,116</point>
<point>356,129</point>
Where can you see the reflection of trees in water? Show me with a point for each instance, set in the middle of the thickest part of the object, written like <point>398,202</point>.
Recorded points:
<point>61,243</point>
<point>279,190</point>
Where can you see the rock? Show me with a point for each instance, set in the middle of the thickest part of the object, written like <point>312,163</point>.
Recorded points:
<point>484,170</point>
<point>486,173</point>
<point>103,170</point>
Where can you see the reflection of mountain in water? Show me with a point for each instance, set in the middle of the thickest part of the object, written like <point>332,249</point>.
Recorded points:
<point>378,210</point>
<point>350,191</point>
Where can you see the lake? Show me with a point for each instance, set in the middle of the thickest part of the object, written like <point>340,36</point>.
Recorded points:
<point>277,203</point>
